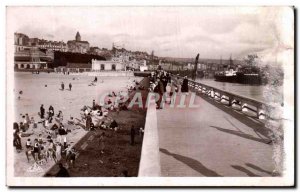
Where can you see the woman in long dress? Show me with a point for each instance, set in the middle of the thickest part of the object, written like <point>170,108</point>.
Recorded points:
<point>185,85</point>
<point>88,122</point>
<point>178,84</point>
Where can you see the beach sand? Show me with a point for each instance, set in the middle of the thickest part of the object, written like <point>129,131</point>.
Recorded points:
<point>44,89</point>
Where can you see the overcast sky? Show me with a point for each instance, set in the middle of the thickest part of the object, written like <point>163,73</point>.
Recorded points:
<point>175,31</point>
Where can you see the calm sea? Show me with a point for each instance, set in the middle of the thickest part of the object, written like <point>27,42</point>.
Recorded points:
<point>257,92</point>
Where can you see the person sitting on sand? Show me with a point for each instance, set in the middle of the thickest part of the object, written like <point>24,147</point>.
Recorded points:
<point>99,113</point>
<point>102,125</point>
<point>54,127</point>
<point>71,121</point>
<point>40,139</point>
<point>59,117</point>
<point>46,124</point>
<point>33,122</point>
<point>114,125</point>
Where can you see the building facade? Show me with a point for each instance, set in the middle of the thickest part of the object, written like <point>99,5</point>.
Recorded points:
<point>21,42</point>
<point>77,45</point>
<point>99,65</point>
<point>50,45</point>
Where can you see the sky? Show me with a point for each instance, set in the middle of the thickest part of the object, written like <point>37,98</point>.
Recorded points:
<point>213,32</point>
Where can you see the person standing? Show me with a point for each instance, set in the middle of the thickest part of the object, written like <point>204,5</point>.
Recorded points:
<point>160,91</point>
<point>42,111</point>
<point>17,140</point>
<point>94,104</point>
<point>88,122</point>
<point>51,111</point>
<point>63,172</point>
<point>132,134</point>
<point>185,85</point>
<point>70,86</point>
<point>62,86</point>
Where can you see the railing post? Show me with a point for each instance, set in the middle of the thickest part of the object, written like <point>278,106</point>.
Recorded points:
<point>244,107</point>
<point>261,112</point>
<point>229,101</point>
<point>212,93</point>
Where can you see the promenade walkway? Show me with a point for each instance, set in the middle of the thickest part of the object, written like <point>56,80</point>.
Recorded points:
<point>212,140</point>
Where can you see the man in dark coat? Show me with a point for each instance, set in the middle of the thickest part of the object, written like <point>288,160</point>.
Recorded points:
<point>159,89</point>
<point>51,111</point>
<point>185,85</point>
<point>63,172</point>
<point>62,86</point>
<point>42,110</point>
<point>88,122</point>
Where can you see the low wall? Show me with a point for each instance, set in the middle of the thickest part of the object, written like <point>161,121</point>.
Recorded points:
<point>106,74</point>
<point>150,158</point>
<point>111,74</point>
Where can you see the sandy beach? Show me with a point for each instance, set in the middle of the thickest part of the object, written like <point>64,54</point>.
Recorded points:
<point>44,89</point>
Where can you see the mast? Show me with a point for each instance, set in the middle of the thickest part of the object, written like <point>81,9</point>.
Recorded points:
<point>194,74</point>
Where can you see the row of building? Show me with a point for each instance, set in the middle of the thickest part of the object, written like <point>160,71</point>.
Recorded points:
<point>23,42</point>
<point>75,55</point>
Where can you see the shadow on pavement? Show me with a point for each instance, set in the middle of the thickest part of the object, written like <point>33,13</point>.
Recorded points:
<point>258,168</point>
<point>242,169</point>
<point>256,126</point>
<point>244,135</point>
<point>192,163</point>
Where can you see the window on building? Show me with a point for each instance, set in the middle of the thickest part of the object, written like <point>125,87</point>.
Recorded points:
<point>102,67</point>
<point>113,67</point>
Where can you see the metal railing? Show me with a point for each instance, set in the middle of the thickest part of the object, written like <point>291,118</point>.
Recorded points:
<point>249,106</point>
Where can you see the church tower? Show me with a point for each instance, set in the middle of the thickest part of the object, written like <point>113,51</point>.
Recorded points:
<point>78,37</point>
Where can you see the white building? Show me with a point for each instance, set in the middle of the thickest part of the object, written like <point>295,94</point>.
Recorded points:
<point>99,65</point>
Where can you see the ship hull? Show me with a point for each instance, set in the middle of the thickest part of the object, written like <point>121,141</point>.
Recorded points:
<point>252,79</point>
<point>223,78</point>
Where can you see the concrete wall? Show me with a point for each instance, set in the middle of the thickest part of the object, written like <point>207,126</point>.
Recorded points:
<point>111,74</point>
<point>150,159</point>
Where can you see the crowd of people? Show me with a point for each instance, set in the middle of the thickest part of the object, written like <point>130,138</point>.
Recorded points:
<point>47,139</point>
<point>162,84</point>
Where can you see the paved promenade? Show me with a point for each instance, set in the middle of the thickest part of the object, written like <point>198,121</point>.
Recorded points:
<point>212,140</point>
